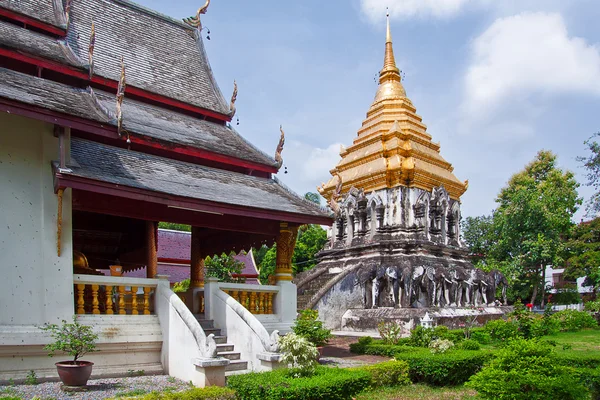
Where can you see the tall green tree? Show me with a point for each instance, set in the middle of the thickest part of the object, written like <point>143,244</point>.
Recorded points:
<point>533,215</point>
<point>478,235</point>
<point>582,251</point>
<point>592,164</point>
<point>314,197</point>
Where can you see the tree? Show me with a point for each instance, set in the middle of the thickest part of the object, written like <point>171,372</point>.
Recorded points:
<point>175,227</point>
<point>582,251</point>
<point>223,267</point>
<point>478,235</point>
<point>534,212</point>
<point>314,197</point>
<point>592,164</point>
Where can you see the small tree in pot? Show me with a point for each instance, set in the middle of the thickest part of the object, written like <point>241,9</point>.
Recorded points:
<point>76,340</point>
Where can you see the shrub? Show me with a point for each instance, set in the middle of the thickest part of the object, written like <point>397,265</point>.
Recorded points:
<point>388,351</point>
<point>592,306</point>
<point>440,345</point>
<point>308,326</point>
<point>549,325</point>
<point>207,393</point>
<point>500,329</point>
<point>469,344</point>
<point>326,383</point>
<point>451,368</point>
<point>526,369</point>
<point>579,359</point>
<point>421,337</point>
<point>390,332</point>
<point>573,320</point>
<point>360,346</point>
<point>590,378</point>
<point>299,354</point>
<point>388,373</point>
<point>481,336</point>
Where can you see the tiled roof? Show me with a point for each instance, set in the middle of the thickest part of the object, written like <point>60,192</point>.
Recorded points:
<point>138,118</point>
<point>144,171</point>
<point>37,44</point>
<point>48,11</point>
<point>162,55</point>
<point>174,245</point>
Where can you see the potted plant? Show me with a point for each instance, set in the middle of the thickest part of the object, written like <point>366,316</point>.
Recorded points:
<point>308,326</point>
<point>76,340</point>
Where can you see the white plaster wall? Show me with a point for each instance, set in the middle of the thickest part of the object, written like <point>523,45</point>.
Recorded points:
<point>36,284</point>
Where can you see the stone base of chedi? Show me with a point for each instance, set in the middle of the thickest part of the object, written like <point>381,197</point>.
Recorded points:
<point>399,249</point>
<point>361,320</point>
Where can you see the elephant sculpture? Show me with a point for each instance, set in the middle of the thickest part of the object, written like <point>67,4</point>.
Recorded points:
<point>444,282</point>
<point>499,281</point>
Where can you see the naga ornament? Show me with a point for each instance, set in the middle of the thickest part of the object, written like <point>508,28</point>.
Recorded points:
<point>233,99</point>
<point>195,20</point>
<point>333,204</point>
<point>279,149</point>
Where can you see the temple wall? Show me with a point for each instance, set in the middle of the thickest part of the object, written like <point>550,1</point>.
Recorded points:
<point>36,285</point>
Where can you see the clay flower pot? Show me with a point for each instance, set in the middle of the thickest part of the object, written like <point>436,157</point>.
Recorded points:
<point>74,373</point>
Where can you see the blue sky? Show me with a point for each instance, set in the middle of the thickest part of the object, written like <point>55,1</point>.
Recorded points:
<point>495,81</point>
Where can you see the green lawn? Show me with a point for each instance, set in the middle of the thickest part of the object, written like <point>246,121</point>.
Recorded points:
<point>586,340</point>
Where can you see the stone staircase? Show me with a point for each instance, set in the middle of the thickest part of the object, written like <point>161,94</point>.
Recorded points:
<point>311,288</point>
<point>224,349</point>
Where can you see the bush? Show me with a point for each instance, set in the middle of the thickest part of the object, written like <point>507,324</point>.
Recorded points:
<point>502,330</point>
<point>421,337</point>
<point>590,378</point>
<point>377,349</point>
<point>390,332</point>
<point>440,345</point>
<point>592,306</point>
<point>360,346</point>
<point>481,336</point>
<point>300,354</point>
<point>326,383</point>
<point>469,344</point>
<point>74,339</point>
<point>526,369</point>
<point>207,393</point>
<point>388,373</point>
<point>573,320</point>
<point>447,369</point>
<point>578,359</point>
<point>308,326</point>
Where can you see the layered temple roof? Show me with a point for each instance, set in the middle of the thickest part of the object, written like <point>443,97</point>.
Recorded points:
<point>174,146</point>
<point>393,147</point>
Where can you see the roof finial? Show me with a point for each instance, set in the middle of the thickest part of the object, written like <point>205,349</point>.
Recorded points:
<point>388,36</point>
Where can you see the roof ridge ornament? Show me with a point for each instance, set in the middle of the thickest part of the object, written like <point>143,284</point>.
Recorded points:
<point>195,20</point>
<point>120,96</point>
<point>233,99</point>
<point>279,149</point>
<point>333,204</point>
<point>68,12</point>
<point>91,50</point>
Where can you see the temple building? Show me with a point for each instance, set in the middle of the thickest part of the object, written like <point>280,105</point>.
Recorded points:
<point>111,121</point>
<point>396,241</point>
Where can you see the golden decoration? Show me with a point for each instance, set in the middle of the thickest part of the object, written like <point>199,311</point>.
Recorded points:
<point>333,204</point>
<point>120,96</point>
<point>195,20</point>
<point>285,249</point>
<point>393,147</point>
<point>91,47</point>
<point>279,148</point>
<point>59,220</point>
<point>233,99</point>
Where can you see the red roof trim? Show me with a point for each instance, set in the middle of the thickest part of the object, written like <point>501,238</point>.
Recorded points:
<point>109,83</point>
<point>33,22</point>
<point>110,132</point>
<point>92,185</point>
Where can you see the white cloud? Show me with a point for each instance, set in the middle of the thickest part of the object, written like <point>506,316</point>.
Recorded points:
<point>402,9</point>
<point>320,161</point>
<point>524,55</point>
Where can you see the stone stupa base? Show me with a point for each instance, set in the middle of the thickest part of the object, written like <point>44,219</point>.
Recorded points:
<point>366,320</point>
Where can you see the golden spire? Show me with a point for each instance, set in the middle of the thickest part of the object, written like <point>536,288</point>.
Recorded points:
<point>390,85</point>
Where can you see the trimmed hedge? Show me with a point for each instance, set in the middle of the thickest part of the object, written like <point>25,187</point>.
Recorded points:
<point>590,377</point>
<point>207,393</point>
<point>388,373</point>
<point>326,383</point>
<point>579,359</point>
<point>446,369</point>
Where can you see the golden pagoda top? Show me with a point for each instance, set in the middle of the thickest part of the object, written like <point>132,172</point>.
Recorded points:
<point>393,147</point>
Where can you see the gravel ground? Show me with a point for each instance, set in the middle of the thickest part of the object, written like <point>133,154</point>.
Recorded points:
<point>96,389</point>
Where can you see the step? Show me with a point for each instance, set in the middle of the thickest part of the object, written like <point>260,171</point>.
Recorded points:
<point>224,347</point>
<point>237,366</point>
<point>214,331</point>
<point>206,323</point>
<point>219,339</point>
<point>230,355</point>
